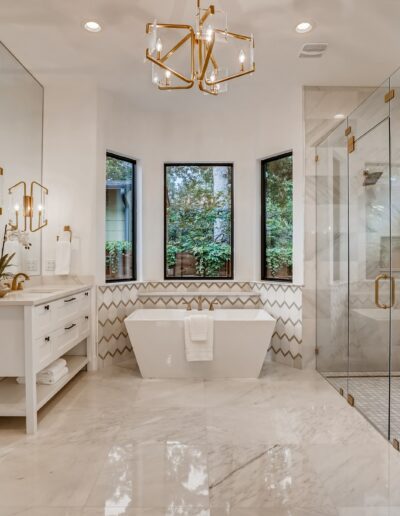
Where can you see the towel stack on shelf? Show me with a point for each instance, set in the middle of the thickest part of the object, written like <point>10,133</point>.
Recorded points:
<point>51,374</point>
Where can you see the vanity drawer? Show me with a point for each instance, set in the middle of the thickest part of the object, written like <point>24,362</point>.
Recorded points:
<point>84,302</point>
<point>66,309</point>
<point>44,350</point>
<point>43,318</point>
<point>84,326</point>
<point>65,338</point>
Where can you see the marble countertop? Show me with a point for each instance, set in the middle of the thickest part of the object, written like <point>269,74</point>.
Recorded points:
<point>38,295</point>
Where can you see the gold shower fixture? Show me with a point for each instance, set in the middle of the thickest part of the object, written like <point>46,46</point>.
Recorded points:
<point>30,207</point>
<point>204,38</point>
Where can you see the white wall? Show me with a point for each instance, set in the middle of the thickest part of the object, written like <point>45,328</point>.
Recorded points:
<point>242,135</point>
<point>69,171</point>
<point>80,125</point>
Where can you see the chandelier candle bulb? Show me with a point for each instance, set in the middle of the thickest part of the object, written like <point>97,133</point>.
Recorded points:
<point>159,48</point>
<point>242,59</point>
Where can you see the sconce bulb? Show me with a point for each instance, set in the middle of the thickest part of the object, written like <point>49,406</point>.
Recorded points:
<point>155,79</point>
<point>168,74</point>
<point>159,45</point>
<point>40,207</point>
<point>212,77</point>
<point>242,57</point>
<point>209,33</point>
<point>16,207</point>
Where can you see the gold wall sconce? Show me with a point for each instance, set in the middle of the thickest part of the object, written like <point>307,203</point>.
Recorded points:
<point>29,208</point>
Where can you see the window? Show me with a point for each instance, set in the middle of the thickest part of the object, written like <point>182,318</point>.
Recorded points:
<point>277,218</point>
<point>120,219</point>
<point>198,221</point>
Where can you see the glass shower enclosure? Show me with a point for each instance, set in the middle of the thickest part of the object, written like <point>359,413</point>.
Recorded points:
<point>358,258</point>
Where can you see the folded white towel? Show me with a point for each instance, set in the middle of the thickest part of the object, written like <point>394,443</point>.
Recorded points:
<point>50,380</point>
<point>63,257</point>
<point>51,374</point>
<point>53,368</point>
<point>198,327</point>
<point>199,350</point>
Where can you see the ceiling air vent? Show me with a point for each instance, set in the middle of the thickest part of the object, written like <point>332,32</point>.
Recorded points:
<point>313,50</point>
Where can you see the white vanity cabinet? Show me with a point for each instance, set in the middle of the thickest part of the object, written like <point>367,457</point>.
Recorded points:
<point>35,330</point>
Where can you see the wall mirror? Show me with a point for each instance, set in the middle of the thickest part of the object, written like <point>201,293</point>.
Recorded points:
<point>21,142</point>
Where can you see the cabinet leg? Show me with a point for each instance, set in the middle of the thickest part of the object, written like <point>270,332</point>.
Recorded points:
<point>30,404</point>
<point>31,423</point>
<point>30,376</point>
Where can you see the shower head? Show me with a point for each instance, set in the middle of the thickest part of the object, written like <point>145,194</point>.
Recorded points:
<point>371,178</point>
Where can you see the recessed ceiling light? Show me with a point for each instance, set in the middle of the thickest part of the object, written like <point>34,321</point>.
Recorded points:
<point>92,26</point>
<point>303,27</point>
<point>339,116</point>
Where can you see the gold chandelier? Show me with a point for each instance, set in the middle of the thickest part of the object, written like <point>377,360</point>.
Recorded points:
<point>204,68</point>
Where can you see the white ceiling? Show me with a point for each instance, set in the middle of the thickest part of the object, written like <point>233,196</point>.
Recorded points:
<point>47,36</point>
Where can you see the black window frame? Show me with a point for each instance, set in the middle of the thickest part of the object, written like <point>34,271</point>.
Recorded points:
<point>199,278</point>
<point>134,217</point>
<point>264,186</point>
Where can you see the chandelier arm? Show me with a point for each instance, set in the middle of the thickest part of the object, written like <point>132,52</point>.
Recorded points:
<point>235,76</point>
<point>209,12</point>
<point>175,48</point>
<point>192,56</point>
<point>214,63</point>
<point>165,67</point>
<point>169,26</point>
<point>200,55</point>
<point>205,90</point>
<point>165,88</point>
<point>233,35</point>
<point>207,59</point>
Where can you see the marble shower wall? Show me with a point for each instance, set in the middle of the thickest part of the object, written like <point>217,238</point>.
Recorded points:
<point>321,103</point>
<point>116,302</point>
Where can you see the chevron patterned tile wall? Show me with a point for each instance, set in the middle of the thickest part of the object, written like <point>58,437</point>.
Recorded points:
<point>116,302</point>
<point>284,303</point>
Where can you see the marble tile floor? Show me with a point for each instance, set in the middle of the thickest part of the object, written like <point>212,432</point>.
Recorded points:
<point>114,444</point>
<point>372,399</point>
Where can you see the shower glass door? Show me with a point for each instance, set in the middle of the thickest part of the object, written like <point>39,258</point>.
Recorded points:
<point>370,275</point>
<point>332,263</point>
<point>395,260</point>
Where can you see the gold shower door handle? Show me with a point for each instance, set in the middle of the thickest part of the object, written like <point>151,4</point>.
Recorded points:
<point>378,279</point>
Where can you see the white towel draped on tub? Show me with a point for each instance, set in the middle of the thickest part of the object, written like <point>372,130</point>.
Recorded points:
<point>63,255</point>
<point>199,338</point>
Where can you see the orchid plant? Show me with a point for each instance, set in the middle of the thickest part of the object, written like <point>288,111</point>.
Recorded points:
<point>5,263</point>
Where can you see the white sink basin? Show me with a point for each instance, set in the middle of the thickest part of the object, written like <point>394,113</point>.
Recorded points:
<point>40,290</point>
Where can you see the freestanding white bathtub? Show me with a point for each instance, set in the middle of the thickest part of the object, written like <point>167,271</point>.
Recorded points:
<point>241,341</point>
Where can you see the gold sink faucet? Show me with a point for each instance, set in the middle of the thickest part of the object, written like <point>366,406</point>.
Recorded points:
<point>19,285</point>
<point>211,304</point>
<point>199,300</point>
